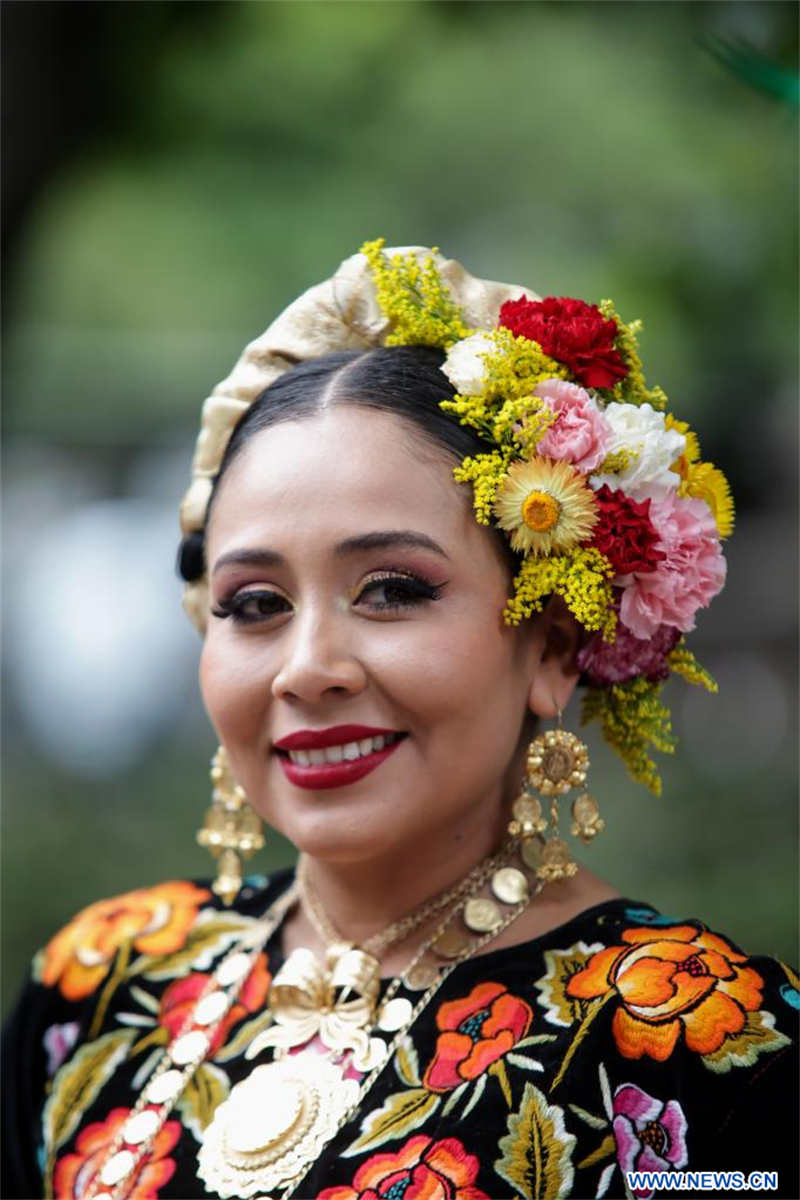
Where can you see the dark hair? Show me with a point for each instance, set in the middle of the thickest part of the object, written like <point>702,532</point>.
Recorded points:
<point>404,380</point>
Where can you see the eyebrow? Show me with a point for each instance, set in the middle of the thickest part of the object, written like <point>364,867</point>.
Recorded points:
<point>388,539</point>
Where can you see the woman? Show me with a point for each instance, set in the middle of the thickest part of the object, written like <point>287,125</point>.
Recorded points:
<point>439,1003</point>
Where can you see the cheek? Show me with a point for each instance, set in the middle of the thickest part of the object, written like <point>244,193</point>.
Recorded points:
<point>233,687</point>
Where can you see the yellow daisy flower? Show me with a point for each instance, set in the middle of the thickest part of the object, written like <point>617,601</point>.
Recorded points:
<point>545,505</point>
<point>707,482</point>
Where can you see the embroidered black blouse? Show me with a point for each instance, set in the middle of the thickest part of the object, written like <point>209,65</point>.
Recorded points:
<point>623,1041</point>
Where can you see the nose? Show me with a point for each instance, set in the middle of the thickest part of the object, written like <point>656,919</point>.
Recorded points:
<point>317,661</point>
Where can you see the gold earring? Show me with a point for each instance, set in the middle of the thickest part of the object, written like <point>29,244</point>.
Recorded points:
<point>231,830</point>
<point>557,761</point>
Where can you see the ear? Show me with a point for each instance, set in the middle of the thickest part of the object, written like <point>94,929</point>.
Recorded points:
<point>554,645</point>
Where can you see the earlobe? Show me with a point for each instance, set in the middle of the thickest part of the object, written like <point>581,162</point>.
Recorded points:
<point>554,670</point>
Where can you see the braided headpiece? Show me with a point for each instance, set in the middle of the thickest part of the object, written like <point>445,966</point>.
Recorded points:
<point>601,492</point>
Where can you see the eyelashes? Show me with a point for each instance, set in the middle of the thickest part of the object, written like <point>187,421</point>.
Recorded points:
<point>384,593</point>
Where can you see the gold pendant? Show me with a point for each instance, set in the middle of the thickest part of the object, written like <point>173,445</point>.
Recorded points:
<point>274,1125</point>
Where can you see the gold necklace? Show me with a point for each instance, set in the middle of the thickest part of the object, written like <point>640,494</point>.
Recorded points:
<point>378,943</point>
<point>305,1103</point>
<point>274,1125</point>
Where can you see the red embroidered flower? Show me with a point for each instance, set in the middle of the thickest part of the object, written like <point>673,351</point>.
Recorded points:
<point>624,532</point>
<point>181,996</point>
<point>75,1172</point>
<point>572,332</point>
<point>476,1031</point>
<point>420,1170</point>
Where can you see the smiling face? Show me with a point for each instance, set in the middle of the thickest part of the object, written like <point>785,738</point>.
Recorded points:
<point>354,597</point>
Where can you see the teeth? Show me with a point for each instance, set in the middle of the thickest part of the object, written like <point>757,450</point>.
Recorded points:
<point>347,753</point>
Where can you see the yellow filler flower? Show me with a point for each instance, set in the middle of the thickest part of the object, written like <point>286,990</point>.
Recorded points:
<point>545,505</point>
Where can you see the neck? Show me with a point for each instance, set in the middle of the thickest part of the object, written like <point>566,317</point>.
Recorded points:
<point>361,899</point>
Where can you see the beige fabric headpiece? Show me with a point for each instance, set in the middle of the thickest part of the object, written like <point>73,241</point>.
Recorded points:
<point>340,314</point>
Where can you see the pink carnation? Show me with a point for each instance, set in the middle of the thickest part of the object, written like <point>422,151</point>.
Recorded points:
<point>690,576</point>
<point>580,434</point>
<point>628,656</point>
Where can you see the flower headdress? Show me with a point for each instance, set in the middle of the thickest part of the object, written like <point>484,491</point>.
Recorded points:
<point>604,496</point>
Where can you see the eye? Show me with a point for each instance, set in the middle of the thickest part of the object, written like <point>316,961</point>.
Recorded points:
<point>252,606</point>
<point>397,591</point>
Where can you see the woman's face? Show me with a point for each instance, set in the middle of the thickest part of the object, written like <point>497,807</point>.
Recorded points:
<point>353,598</point>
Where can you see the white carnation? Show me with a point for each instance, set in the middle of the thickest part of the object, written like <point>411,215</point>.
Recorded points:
<point>639,430</point>
<point>464,366</point>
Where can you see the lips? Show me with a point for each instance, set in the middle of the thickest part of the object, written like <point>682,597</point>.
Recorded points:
<point>336,735</point>
<point>318,759</point>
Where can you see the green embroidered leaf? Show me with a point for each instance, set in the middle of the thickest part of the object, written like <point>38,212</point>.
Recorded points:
<point>498,1069</point>
<point>560,1008</point>
<point>759,1036</point>
<point>400,1113</point>
<point>406,1063</point>
<point>243,1037</point>
<point>78,1084</point>
<point>524,1062</point>
<point>605,1150</point>
<point>605,1091</point>
<point>537,1040</point>
<point>207,1088</point>
<point>454,1097</point>
<point>477,1092</point>
<point>148,1002</point>
<point>537,1150</point>
<point>211,933</point>
<point>587,1117</point>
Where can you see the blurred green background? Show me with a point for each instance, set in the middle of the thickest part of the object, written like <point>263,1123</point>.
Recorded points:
<point>178,172</point>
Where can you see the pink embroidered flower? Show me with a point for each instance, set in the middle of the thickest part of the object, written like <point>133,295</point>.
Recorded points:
<point>579,434</point>
<point>628,657</point>
<point>650,1136</point>
<point>689,577</point>
<point>58,1041</point>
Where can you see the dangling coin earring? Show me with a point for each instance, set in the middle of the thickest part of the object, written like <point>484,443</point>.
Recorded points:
<point>556,762</point>
<point>231,830</point>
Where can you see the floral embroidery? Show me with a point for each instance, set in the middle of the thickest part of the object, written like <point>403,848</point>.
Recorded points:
<point>669,980</point>
<point>156,920</point>
<point>58,1040</point>
<point>420,1170</point>
<point>74,1172</point>
<point>650,1135</point>
<point>475,1032</point>
<point>180,997</point>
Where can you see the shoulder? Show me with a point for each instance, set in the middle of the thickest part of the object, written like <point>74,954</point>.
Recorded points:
<point>150,923</point>
<point>681,1035</point>
<point>647,1043</point>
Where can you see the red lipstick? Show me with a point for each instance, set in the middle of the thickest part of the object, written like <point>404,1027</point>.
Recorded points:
<point>335,735</point>
<point>321,776</point>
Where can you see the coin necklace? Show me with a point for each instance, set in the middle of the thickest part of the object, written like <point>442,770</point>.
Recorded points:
<point>274,1125</point>
<point>305,1120</point>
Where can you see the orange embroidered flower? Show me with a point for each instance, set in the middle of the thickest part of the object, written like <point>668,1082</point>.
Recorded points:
<point>157,920</point>
<point>181,995</point>
<point>420,1170</point>
<point>74,1172</point>
<point>476,1031</point>
<point>670,979</point>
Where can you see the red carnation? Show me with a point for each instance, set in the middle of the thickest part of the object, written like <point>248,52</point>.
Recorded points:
<point>572,332</point>
<point>624,532</point>
<point>628,656</point>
